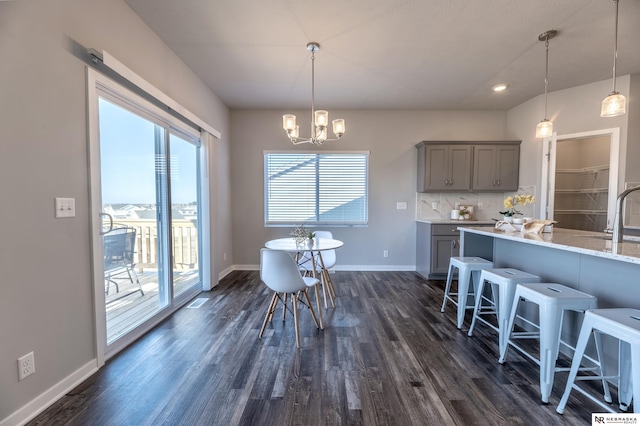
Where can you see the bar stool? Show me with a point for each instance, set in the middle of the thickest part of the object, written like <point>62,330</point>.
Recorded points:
<point>503,286</point>
<point>624,325</point>
<point>468,268</point>
<point>552,300</point>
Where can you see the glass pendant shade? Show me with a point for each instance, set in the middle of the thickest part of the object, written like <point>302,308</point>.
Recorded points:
<point>289,122</point>
<point>544,129</point>
<point>338,127</point>
<point>613,105</point>
<point>295,133</point>
<point>321,118</point>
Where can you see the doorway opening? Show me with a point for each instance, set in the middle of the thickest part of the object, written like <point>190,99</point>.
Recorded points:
<point>580,179</point>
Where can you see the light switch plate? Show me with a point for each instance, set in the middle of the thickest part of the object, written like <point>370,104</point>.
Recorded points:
<point>65,207</point>
<point>401,205</point>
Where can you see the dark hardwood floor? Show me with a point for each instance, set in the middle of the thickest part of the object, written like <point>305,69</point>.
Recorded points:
<point>387,356</point>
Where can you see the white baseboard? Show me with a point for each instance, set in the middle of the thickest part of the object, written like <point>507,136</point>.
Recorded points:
<point>352,268</point>
<point>224,273</point>
<point>53,394</point>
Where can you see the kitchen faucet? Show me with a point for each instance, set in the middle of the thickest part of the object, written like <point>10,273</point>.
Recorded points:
<point>618,221</point>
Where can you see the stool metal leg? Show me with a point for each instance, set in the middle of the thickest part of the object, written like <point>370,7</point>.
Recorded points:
<point>550,328</point>
<point>583,339</point>
<point>625,386</point>
<point>505,294</point>
<point>464,276</point>
<point>447,288</point>
<point>600,354</point>
<point>478,305</point>
<point>635,372</point>
<point>509,330</point>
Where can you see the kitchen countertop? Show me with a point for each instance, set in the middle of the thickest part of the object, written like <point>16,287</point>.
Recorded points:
<point>457,222</point>
<point>583,242</point>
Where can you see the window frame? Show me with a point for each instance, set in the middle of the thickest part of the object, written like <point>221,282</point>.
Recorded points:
<point>342,223</point>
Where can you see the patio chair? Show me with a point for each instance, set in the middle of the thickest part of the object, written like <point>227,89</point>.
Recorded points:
<point>118,258</point>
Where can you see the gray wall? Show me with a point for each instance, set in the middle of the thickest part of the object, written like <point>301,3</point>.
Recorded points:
<point>46,290</point>
<point>572,111</point>
<point>390,136</point>
<point>45,263</point>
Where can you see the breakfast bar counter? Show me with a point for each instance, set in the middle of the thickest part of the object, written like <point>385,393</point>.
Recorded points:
<point>587,261</point>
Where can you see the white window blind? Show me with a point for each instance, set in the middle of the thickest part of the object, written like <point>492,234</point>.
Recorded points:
<point>316,188</point>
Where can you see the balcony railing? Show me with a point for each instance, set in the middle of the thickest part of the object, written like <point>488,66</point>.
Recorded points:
<point>184,243</point>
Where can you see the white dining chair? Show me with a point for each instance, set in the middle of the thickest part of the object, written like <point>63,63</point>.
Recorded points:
<point>280,273</point>
<point>324,261</point>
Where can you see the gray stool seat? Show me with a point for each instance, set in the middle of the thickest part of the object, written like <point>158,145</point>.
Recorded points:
<point>468,269</point>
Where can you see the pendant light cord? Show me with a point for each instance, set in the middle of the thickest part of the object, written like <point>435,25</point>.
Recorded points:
<point>546,76</point>
<point>615,47</point>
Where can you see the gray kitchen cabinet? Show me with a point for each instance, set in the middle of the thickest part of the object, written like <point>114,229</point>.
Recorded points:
<point>496,167</point>
<point>444,167</point>
<point>435,244</point>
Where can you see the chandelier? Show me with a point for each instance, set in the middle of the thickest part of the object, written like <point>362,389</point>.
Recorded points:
<point>319,118</point>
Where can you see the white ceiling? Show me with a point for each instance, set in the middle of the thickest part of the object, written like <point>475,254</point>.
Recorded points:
<point>394,54</point>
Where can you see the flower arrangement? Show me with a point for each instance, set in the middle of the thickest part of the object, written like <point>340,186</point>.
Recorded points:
<point>301,234</point>
<point>512,201</point>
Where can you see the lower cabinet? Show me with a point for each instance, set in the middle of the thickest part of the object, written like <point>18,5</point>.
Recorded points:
<point>435,244</point>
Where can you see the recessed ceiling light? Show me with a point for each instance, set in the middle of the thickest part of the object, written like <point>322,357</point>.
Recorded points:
<point>500,87</point>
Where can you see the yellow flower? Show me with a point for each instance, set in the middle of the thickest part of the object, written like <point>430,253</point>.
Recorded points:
<point>524,199</point>
<point>508,202</point>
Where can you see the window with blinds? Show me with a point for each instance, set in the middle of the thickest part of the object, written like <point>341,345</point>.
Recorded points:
<point>316,188</point>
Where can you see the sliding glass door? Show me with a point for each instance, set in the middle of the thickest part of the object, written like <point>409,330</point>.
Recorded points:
<point>149,196</point>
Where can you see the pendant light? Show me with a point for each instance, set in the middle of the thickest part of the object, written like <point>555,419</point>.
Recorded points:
<point>544,129</point>
<point>614,104</point>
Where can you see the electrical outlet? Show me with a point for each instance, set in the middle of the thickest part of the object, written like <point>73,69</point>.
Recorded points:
<point>65,207</point>
<point>401,205</point>
<point>434,205</point>
<point>385,253</point>
<point>480,206</point>
<point>26,366</point>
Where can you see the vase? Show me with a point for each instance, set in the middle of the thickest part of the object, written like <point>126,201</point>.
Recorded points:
<point>518,221</point>
<point>508,219</point>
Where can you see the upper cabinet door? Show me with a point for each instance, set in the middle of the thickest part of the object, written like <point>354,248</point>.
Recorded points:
<point>496,167</point>
<point>444,168</point>
<point>484,167</point>
<point>459,167</point>
<point>436,174</point>
<point>508,167</point>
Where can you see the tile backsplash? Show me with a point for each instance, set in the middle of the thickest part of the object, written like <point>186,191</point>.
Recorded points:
<point>492,204</point>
